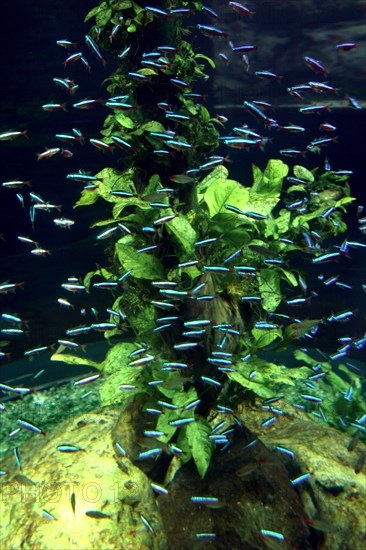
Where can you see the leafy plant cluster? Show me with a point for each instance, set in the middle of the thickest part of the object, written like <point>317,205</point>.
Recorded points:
<point>180,255</point>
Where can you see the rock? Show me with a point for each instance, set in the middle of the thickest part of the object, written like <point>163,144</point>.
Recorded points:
<point>335,496</point>
<point>285,32</point>
<point>254,493</point>
<point>115,493</point>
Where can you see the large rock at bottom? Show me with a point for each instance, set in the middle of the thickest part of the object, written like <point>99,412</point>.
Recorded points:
<point>334,498</point>
<point>115,493</point>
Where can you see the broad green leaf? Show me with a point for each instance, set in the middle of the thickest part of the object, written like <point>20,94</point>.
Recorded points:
<point>208,59</point>
<point>228,227</point>
<point>302,356</point>
<point>257,175</point>
<point>124,120</point>
<point>270,183</point>
<point>296,189</point>
<point>299,221</point>
<point>265,338</point>
<point>87,198</point>
<point>101,7</point>
<point>185,236</point>
<point>270,378</point>
<point>147,72</point>
<point>256,386</point>
<point>140,9</point>
<point>153,126</point>
<point>164,426</point>
<point>229,192</point>
<point>182,443</point>
<point>219,173</point>
<point>173,389</point>
<point>142,266</point>
<point>102,223</point>
<point>103,16</point>
<point>275,171</point>
<point>75,360</point>
<point>191,107</point>
<point>122,5</point>
<point>180,398</point>
<point>121,203</point>
<point>153,185</point>
<point>289,276</point>
<point>269,287</point>
<point>283,221</point>
<point>142,322</point>
<point>175,274</point>
<point>343,201</point>
<point>101,272</point>
<point>303,173</point>
<point>201,446</point>
<point>131,28</point>
<point>115,365</point>
<point>113,180</point>
<point>127,239</point>
<point>270,223</point>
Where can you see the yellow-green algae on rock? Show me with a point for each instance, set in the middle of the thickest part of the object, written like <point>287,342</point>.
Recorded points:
<point>101,479</point>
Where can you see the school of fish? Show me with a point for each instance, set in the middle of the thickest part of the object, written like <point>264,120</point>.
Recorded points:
<point>244,138</point>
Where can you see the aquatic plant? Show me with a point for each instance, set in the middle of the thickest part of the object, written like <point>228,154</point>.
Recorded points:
<point>198,263</point>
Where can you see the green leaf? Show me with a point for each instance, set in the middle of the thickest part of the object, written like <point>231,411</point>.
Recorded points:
<point>94,11</point>
<point>205,115</point>
<point>153,126</point>
<point>303,173</point>
<point>102,272</point>
<point>175,274</point>
<point>122,5</point>
<point>228,192</point>
<point>296,189</point>
<point>180,398</point>
<point>270,378</point>
<point>124,120</point>
<point>283,221</point>
<point>102,223</point>
<point>122,203</point>
<point>289,276</point>
<point>116,366</point>
<point>153,185</point>
<point>208,59</point>
<point>299,221</point>
<point>142,322</point>
<point>147,72</point>
<point>139,9</point>
<point>142,266</point>
<point>265,338</point>
<point>275,171</point>
<point>87,198</point>
<point>219,173</point>
<point>75,360</point>
<point>185,236</point>
<point>191,107</point>
<point>201,446</point>
<point>343,201</point>
<point>257,175</point>
<point>131,28</point>
<point>103,16</point>
<point>269,287</point>
<point>270,182</point>
<point>163,424</point>
<point>113,180</point>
